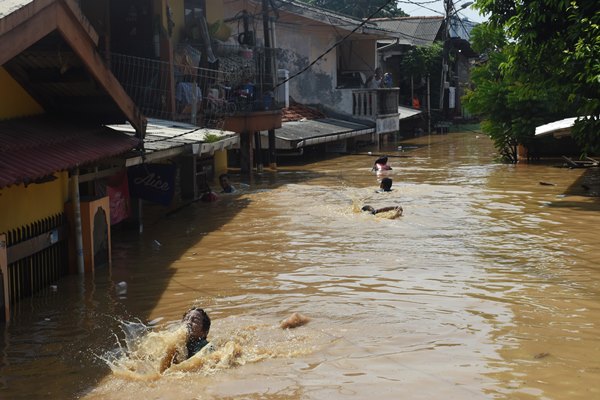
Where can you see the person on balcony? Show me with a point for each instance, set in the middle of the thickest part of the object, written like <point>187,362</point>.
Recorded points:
<point>375,81</point>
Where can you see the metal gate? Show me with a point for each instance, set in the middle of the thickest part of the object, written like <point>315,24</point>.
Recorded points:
<point>32,257</point>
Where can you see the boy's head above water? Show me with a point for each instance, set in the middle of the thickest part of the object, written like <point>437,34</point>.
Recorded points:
<point>197,322</point>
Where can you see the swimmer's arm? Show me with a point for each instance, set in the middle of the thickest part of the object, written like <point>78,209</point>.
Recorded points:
<point>384,209</point>
<point>173,356</point>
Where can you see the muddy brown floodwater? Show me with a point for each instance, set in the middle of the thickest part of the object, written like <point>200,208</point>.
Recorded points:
<point>488,287</point>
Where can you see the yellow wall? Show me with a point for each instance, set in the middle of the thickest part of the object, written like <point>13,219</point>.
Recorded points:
<point>14,101</point>
<point>220,162</point>
<point>214,10</point>
<point>20,205</point>
<point>178,16</point>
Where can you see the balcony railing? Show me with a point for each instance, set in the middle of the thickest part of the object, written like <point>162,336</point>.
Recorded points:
<point>372,104</point>
<point>240,83</point>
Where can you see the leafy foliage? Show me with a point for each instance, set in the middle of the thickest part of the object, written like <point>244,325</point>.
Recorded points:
<point>422,61</point>
<point>543,64</point>
<point>360,8</point>
<point>212,138</point>
<point>419,63</point>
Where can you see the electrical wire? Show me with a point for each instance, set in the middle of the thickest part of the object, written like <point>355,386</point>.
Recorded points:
<point>333,46</point>
<point>414,3</point>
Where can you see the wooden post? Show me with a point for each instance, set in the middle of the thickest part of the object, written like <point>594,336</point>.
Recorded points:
<point>258,149</point>
<point>272,150</point>
<point>169,76</point>
<point>246,161</point>
<point>428,107</point>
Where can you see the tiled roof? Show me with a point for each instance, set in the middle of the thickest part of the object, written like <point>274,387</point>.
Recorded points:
<point>33,148</point>
<point>297,112</point>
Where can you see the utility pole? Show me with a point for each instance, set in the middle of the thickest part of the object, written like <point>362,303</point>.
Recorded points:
<point>445,36</point>
<point>269,69</point>
<point>449,13</point>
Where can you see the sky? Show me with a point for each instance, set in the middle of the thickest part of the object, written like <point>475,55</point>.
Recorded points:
<point>419,8</point>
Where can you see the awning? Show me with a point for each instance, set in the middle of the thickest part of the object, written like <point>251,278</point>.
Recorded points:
<point>31,149</point>
<point>556,128</point>
<point>406,112</point>
<point>297,134</point>
<point>166,139</point>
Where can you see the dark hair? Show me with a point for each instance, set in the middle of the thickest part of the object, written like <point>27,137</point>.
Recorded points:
<point>382,160</point>
<point>386,184</point>
<point>369,208</point>
<point>205,317</point>
<point>223,176</point>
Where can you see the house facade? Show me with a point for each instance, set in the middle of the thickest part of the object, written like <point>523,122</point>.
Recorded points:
<point>438,95</point>
<point>66,159</point>
<point>323,60</point>
<point>56,96</point>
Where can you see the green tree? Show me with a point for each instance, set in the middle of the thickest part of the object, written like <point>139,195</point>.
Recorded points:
<point>360,8</point>
<point>509,101</point>
<point>418,63</point>
<point>543,65</point>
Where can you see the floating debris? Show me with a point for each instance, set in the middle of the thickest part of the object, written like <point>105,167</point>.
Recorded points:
<point>121,288</point>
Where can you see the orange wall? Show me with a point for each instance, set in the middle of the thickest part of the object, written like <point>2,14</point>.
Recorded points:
<point>14,101</point>
<point>20,205</point>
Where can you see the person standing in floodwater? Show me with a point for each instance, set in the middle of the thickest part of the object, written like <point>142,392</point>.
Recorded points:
<point>385,186</point>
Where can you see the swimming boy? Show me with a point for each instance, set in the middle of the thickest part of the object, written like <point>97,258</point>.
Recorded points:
<point>197,324</point>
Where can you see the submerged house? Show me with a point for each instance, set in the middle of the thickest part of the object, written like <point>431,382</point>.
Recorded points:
<point>74,133</point>
<point>56,97</point>
<point>323,60</point>
<point>441,93</point>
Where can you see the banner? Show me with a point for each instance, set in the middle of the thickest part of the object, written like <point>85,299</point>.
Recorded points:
<point>152,182</point>
<point>118,192</point>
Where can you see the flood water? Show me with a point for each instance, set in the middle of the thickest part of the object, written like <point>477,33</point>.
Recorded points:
<point>488,287</point>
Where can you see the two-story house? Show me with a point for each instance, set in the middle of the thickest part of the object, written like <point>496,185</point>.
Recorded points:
<point>323,60</point>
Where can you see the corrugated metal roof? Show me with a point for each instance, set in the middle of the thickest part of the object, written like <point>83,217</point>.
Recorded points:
<point>172,137</point>
<point>406,112</point>
<point>163,134</point>
<point>296,134</point>
<point>34,148</point>
<point>9,6</point>
<point>413,31</point>
<point>556,128</point>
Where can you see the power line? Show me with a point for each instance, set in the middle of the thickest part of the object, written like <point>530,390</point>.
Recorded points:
<point>334,45</point>
<point>422,6</point>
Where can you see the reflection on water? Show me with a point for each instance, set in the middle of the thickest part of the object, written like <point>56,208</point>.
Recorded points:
<point>486,287</point>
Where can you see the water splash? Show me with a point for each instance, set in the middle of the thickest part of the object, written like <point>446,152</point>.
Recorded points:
<point>145,354</point>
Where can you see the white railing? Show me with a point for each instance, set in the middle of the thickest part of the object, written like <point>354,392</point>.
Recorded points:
<point>374,103</point>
